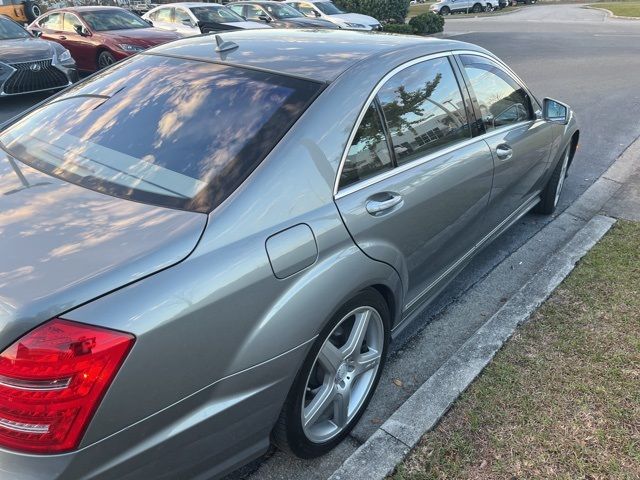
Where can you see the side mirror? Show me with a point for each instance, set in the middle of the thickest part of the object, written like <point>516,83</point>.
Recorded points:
<point>264,18</point>
<point>36,33</point>
<point>554,111</point>
<point>80,30</point>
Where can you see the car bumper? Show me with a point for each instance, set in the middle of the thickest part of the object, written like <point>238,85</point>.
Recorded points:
<point>35,76</point>
<point>205,435</point>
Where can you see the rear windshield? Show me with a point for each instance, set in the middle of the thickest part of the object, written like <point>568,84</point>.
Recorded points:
<point>166,131</point>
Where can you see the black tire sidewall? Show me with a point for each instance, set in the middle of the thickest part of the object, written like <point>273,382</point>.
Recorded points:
<point>547,198</point>
<point>31,9</point>
<point>296,440</point>
<point>445,11</point>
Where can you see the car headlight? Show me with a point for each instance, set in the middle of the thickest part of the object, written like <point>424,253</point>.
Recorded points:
<point>65,56</point>
<point>130,48</point>
<point>354,25</point>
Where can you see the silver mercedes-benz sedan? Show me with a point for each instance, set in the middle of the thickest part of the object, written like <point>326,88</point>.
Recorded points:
<point>210,245</point>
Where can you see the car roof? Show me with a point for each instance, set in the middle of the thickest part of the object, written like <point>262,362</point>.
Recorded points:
<point>319,55</point>
<point>191,4</point>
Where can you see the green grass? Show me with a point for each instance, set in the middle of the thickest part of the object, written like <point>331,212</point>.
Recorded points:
<point>562,398</point>
<point>622,9</point>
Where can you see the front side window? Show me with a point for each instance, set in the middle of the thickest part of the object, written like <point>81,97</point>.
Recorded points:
<point>10,30</point>
<point>70,22</point>
<point>166,131</point>
<point>424,109</point>
<point>105,20</point>
<point>254,12</point>
<point>369,152</point>
<point>52,22</point>
<point>501,100</point>
<point>306,8</point>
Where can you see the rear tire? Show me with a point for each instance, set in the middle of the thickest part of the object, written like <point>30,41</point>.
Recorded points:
<point>32,10</point>
<point>477,8</point>
<point>310,427</point>
<point>551,194</point>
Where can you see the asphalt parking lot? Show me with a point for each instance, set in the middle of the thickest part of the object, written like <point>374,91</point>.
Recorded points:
<point>575,55</point>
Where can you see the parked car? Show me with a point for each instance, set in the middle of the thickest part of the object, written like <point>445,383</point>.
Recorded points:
<point>196,18</point>
<point>29,64</point>
<point>278,15</point>
<point>21,11</point>
<point>228,230</point>
<point>99,36</point>
<point>326,10</point>
<point>445,7</point>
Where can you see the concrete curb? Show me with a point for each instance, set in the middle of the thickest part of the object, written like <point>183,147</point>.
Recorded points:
<point>380,454</point>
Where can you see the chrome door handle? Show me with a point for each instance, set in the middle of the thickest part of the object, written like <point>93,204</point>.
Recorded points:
<point>504,152</point>
<point>376,207</point>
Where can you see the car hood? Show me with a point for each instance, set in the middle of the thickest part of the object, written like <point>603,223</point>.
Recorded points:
<point>356,18</point>
<point>62,245</point>
<point>247,25</point>
<point>143,37</point>
<point>25,50</point>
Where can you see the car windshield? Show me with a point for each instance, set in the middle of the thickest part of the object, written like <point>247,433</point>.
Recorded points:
<point>281,11</point>
<point>112,19</point>
<point>167,131</point>
<point>10,30</point>
<point>328,8</point>
<point>216,14</point>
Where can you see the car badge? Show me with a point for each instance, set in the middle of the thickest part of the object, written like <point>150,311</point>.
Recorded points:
<point>35,67</point>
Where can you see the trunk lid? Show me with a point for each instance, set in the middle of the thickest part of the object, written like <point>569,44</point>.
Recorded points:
<point>62,245</point>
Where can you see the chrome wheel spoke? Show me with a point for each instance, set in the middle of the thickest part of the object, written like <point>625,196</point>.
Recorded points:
<point>330,357</point>
<point>341,407</point>
<point>357,335</point>
<point>323,399</point>
<point>366,362</point>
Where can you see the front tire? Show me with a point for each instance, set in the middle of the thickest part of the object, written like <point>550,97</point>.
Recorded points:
<point>477,8</point>
<point>105,59</point>
<point>445,11</point>
<point>551,194</point>
<point>338,378</point>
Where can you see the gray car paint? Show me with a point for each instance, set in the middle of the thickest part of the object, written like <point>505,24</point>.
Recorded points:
<point>219,337</point>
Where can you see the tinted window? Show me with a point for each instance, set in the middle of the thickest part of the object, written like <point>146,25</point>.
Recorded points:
<point>160,130</point>
<point>104,20</point>
<point>328,8</point>
<point>182,17</point>
<point>10,29</point>
<point>282,11</point>
<point>216,14</point>
<point>501,100</point>
<point>163,15</point>
<point>424,109</point>
<point>369,152</point>
<point>70,21</point>
<point>52,22</point>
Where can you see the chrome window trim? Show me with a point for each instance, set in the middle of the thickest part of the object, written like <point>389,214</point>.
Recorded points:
<point>339,193</point>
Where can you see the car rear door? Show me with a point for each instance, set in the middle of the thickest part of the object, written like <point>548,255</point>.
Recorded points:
<point>415,184</point>
<point>519,139</point>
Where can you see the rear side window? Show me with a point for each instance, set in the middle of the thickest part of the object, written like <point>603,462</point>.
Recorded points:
<point>501,100</point>
<point>369,152</point>
<point>424,110</point>
<point>166,131</point>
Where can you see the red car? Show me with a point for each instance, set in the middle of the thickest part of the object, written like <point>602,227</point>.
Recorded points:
<point>99,36</point>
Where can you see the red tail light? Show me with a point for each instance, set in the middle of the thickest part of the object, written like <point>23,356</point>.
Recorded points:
<point>51,382</point>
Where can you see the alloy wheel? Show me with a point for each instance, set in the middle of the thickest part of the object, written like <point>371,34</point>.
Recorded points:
<point>343,374</point>
<point>563,175</point>
<point>104,60</point>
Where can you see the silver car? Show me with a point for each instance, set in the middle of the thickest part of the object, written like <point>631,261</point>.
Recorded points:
<point>209,246</point>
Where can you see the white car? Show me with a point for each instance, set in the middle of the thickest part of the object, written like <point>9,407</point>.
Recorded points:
<point>326,10</point>
<point>445,7</point>
<point>195,18</point>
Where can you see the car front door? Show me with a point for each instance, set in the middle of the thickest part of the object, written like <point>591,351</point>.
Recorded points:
<point>81,48</point>
<point>414,185</point>
<point>520,141</point>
